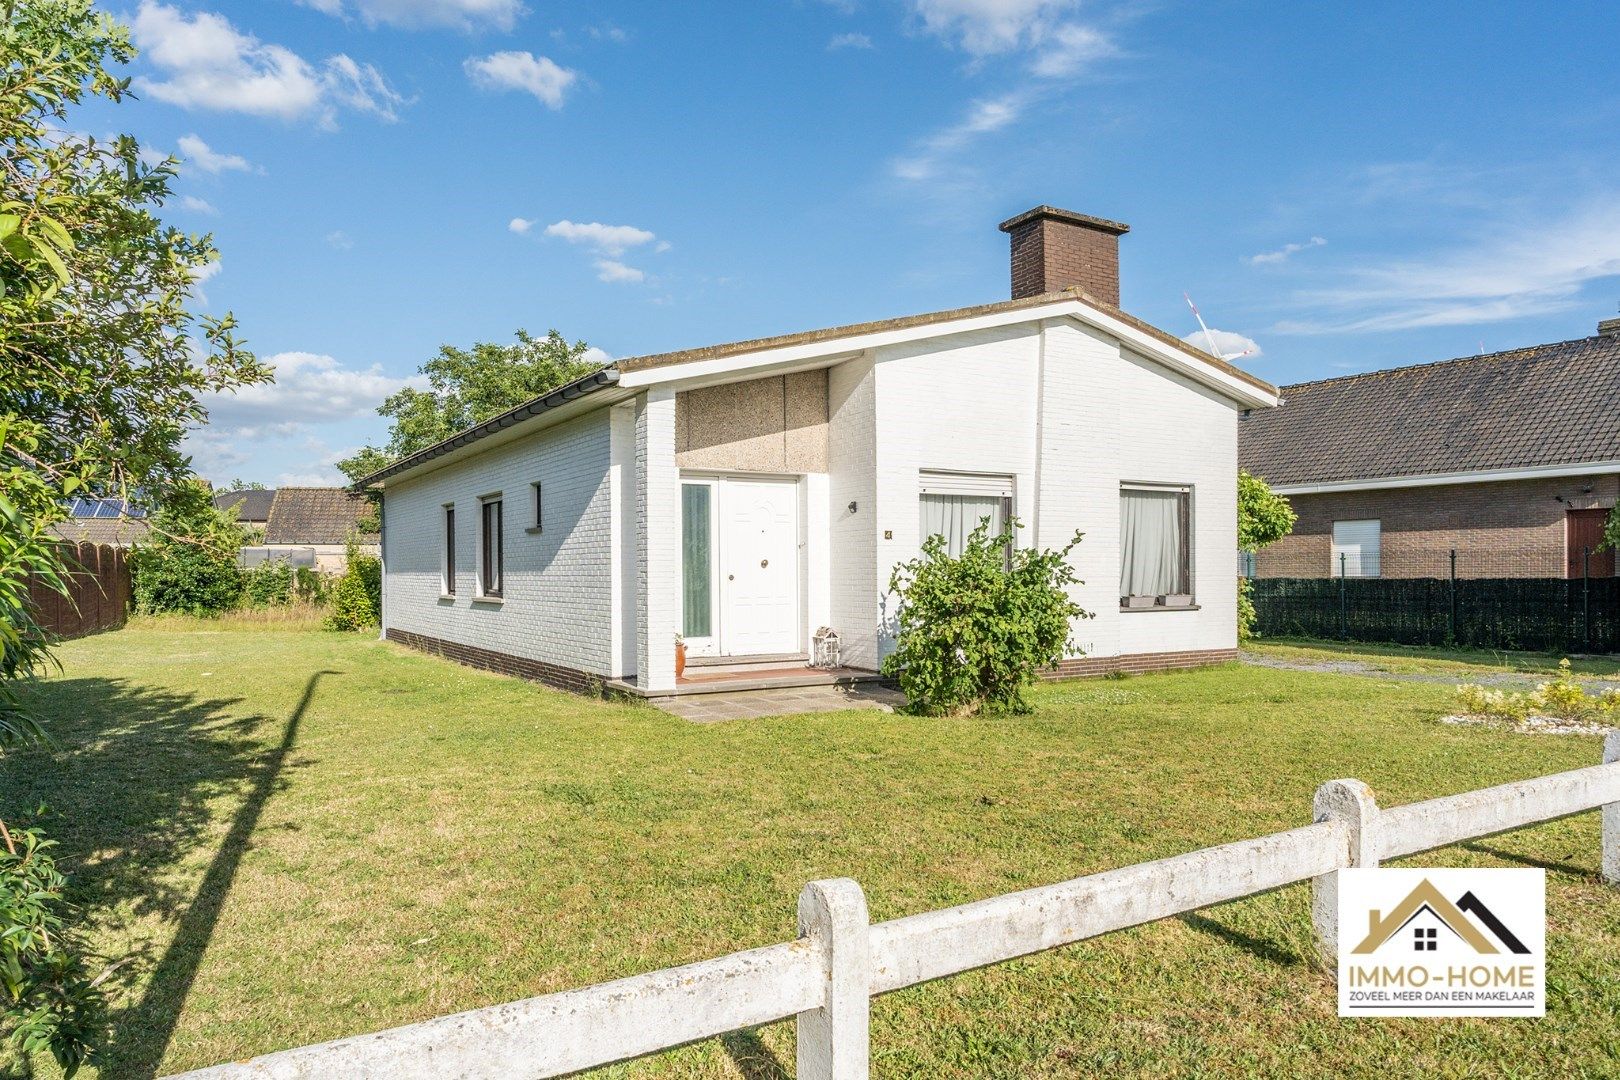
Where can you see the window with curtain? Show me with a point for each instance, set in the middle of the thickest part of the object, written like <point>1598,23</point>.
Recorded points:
<point>1155,549</point>
<point>697,619</point>
<point>953,505</point>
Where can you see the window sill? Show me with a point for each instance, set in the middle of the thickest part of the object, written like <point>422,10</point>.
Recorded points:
<point>1159,608</point>
<point>534,530</point>
<point>447,597</point>
<point>493,601</point>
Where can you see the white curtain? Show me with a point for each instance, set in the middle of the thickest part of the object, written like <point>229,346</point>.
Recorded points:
<point>1150,543</point>
<point>955,516</point>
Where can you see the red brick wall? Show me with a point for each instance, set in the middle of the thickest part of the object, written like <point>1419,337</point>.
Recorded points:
<point>1048,255</point>
<point>1508,529</point>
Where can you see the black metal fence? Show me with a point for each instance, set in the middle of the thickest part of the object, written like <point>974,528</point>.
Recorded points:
<point>1541,614</point>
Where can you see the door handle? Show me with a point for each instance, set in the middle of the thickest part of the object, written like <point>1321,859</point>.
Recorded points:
<point>763,563</point>
<point>731,577</point>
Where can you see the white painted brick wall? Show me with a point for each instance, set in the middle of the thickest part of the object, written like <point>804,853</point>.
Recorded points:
<point>851,457</point>
<point>658,540</point>
<point>969,403</point>
<point>558,584</point>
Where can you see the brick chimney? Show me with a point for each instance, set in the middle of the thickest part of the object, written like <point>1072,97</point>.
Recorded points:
<point>1056,249</point>
<point>1609,327</point>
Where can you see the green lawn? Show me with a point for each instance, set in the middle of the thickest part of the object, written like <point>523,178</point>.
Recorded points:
<point>299,835</point>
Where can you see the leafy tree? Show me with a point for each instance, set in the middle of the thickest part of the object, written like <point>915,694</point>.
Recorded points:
<point>102,368</point>
<point>189,565</point>
<point>48,994</point>
<point>1264,517</point>
<point>976,630</point>
<point>102,365</point>
<point>467,387</point>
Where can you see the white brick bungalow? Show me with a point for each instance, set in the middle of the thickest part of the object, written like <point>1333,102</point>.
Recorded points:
<point>743,496</point>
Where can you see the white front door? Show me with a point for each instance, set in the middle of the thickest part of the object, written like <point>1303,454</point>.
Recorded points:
<point>759,566</point>
<point>739,565</point>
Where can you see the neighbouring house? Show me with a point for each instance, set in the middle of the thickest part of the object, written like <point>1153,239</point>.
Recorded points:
<point>252,506</point>
<point>1511,459</point>
<point>743,497</point>
<point>103,521</point>
<point>303,526</point>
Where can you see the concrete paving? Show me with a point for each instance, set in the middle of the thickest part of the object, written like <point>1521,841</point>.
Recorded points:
<point>788,701</point>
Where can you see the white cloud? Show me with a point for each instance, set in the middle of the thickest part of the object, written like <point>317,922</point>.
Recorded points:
<point>209,64</point>
<point>417,14</point>
<point>339,239</point>
<point>198,206</point>
<point>1226,343</point>
<point>608,32</point>
<point>193,151</point>
<point>607,239</point>
<point>524,71</point>
<point>207,271</point>
<point>989,27</point>
<point>1531,265</point>
<point>309,388</point>
<point>521,225</point>
<point>982,118</point>
<point>593,355</point>
<point>849,41</point>
<point>1284,253</point>
<point>611,270</point>
<point>1067,49</point>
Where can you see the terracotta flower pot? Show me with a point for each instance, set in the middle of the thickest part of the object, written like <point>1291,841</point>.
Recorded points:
<point>680,660</point>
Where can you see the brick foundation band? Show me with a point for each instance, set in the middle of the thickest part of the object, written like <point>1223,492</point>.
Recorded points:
<point>584,682</point>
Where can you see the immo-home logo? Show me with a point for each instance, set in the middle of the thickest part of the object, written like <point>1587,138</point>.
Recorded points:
<point>1442,942</point>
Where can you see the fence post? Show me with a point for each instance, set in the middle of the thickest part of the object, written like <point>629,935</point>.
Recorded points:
<point>1344,609</point>
<point>1611,817</point>
<point>833,1040</point>
<point>1586,598</point>
<point>1452,624</point>
<point>1351,802</point>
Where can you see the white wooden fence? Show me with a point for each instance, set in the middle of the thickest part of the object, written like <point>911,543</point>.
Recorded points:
<point>826,978</point>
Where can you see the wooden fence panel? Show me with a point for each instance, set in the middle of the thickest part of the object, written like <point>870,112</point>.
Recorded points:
<point>98,593</point>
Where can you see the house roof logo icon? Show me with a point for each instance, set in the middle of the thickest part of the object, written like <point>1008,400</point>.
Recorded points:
<point>1455,916</point>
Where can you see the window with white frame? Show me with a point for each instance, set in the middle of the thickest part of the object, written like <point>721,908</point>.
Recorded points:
<point>447,565</point>
<point>954,504</point>
<point>490,547</point>
<point>1357,548</point>
<point>1155,546</point>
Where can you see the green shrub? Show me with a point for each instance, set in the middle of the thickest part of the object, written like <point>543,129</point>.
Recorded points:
<point>974,631</point>
<point>269,584</point>
<point>368,568</point>
<point>49,1000</point>
<point>310,585</point>
<point>189,566</point>
<point>357,597</point>
<point>1245,610</point>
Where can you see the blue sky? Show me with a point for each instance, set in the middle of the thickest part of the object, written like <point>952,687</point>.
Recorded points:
<point>1347,187</point>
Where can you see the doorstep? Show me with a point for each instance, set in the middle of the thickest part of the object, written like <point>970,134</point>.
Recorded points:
<point>733,682</point>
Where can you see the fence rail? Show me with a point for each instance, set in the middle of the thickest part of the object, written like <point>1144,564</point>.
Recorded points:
<point>826,977</point>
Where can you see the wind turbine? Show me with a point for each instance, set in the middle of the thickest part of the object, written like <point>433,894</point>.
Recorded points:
<point>1209,338</point>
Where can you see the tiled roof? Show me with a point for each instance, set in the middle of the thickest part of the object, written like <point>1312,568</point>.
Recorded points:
<point>253,504</point>
<point>119,532</point>
<point>1547,405</point>
<point>314,515</point>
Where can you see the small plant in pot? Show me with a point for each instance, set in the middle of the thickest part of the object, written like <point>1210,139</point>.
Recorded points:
<point>680,656</point>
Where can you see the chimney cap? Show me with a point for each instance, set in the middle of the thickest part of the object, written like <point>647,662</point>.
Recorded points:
<point>1118,228</point>
<point>1609,327</point>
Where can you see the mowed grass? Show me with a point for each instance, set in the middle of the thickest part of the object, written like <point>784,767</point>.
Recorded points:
<point>1436,660</point>
<point>296,836</point>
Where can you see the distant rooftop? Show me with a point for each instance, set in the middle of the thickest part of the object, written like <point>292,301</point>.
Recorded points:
<point>1546,405</point>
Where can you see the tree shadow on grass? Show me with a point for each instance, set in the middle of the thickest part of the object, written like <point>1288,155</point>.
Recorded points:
<point>754,1060</point>
<point>140,780</point>
<point>1551,865</point>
